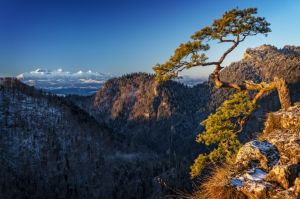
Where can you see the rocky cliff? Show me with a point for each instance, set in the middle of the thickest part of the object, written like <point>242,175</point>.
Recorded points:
<point>264,63</point>
<point>164,119</point>
<point>270,166</point>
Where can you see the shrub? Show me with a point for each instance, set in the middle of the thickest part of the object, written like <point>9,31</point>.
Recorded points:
<point>221,129</point>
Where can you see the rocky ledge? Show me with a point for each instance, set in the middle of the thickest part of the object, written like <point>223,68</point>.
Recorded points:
<point>269,167</point>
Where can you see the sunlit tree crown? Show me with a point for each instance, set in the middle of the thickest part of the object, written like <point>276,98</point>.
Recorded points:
<point>233,27</point>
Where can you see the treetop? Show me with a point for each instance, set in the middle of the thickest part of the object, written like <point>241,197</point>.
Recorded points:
<point>233,27</point>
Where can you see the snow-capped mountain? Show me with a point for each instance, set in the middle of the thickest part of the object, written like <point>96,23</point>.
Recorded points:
<point>190,80</point>
<point>65,82</point>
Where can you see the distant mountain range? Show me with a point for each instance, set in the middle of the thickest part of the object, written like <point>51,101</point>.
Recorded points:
<point>64,82</point>
<point>78,83</point>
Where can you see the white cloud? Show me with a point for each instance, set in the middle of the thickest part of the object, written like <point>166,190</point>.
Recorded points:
<point>90,81</point>
<point>84,82</point>
<point>59,73</point>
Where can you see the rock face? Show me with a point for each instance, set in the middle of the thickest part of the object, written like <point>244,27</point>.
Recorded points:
<point>264,63</point>
<point>256,152</point>
<point>270,167</point>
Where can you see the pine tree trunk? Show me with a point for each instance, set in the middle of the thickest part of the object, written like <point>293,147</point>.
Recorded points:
<point>283,93</point>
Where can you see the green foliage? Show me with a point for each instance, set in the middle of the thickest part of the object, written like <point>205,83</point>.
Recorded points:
<point>198,165</point>
<point>233,27</point>
<point>221,129</point>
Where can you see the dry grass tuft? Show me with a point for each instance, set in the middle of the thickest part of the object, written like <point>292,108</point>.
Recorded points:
<point>217,185</point>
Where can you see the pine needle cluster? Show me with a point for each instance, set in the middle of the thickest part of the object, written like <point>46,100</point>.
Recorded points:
<point>222,129</point>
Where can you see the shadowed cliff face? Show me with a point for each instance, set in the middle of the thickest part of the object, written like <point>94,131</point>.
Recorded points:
<point>134,96</point>
<point>135,105</point>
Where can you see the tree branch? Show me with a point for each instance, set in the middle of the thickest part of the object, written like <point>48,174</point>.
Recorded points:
<point>226,40</point>
<point>235,44</point>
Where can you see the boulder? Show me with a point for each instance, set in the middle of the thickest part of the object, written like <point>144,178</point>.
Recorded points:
<point>287,141</point>
<point>284,175</point>
<point>251,183</point>
<point>257,153</point>
<point>255,190</point>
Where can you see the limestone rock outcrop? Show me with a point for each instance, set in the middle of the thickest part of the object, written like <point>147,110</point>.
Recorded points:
<point>269,168</point>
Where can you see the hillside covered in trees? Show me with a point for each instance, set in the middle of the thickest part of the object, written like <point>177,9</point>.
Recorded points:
<point>50,148</point>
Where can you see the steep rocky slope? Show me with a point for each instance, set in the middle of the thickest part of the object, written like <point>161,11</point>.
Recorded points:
<point>165,111</point>
<point>270,167</point>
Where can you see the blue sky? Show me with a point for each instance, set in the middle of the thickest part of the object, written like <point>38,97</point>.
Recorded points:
<point>122,36</point>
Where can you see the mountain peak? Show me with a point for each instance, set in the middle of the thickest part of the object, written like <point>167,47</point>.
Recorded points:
<point>263,63</point>
<point>259,51</point>
<point>79,72</point>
